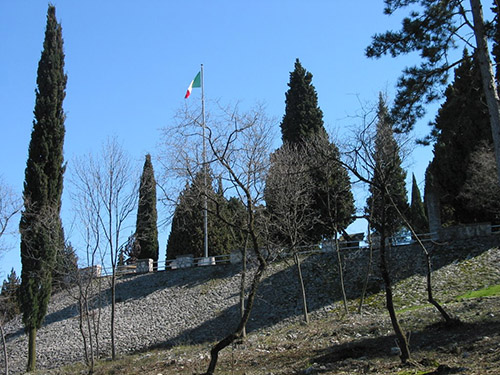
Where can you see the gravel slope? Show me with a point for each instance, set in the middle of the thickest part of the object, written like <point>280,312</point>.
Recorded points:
<point>200,304</point>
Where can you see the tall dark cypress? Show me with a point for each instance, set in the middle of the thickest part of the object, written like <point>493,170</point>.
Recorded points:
<point>387,196</point>
<point>418,218</point>
<point>496,41</point>
<point>147,216</point>
<point>303,118</point>
<point>461,125</point>
<point>40,226</point>
<point>303,123</point>
<point>388,181</point>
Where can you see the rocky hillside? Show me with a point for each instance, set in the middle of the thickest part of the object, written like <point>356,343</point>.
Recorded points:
<point>199,305</point>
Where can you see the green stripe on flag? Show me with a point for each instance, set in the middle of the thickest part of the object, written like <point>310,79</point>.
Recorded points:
<point>197,80</point>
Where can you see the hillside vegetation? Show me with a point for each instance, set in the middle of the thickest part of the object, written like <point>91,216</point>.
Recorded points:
<point>169,320</point>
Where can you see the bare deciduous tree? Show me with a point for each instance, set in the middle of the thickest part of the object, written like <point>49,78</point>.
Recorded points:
<point>10,205</point>
<point>88,283</point>
<point>238,148</point>
<point>375,158</point>
<point>289,198</point>
<point>107,184</point>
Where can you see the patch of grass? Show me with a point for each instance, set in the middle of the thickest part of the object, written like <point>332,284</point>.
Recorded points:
<point>490,291</point>
<point>413,308</point>
<point>413,372</point>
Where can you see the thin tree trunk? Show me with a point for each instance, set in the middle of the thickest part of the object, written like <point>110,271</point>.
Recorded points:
<point>449,320</point>
<point>31,350</point>
<point>402,341</point>
<point>81,318</point>
<point>5,356</point>
<point>301,281</point>
<point>214,353</point>
<point>113,307</point>
<point>243,283</point>
<point>487,77</point>
<point>91,341</point>
<point>368,271</point>
<point>341,272</point>
<point>96,323</point>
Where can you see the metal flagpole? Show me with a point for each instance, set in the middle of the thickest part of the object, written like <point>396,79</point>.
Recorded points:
<point>204,156</point>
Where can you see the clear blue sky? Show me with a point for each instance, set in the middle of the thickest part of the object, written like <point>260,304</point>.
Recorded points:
<point>129,64</point>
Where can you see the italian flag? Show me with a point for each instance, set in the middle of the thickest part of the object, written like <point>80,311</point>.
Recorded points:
<point>196,82</point>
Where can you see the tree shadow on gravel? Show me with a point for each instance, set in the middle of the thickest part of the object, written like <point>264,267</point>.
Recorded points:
<point>435,338</point>
<point>278,298</point>
<point>278,295</point>
<point>134,287</point>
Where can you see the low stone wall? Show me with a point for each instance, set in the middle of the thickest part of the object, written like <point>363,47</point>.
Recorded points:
<point>182,261</point>
<point>461,232</point>
<point>144,266</point>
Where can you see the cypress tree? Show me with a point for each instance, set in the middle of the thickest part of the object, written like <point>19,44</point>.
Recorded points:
<point>387,190</point>
<point>388,178</point>
<point>186,234</point>
<point>65,268</point>
<point>303,124</point>
<point>180,241</point>
<point>303,118</point>
<point>461,125</point>
<point>147,216</point>
<point>495,51</point>
<point>418,218</point>
<point>333,199</point>
<point>40,226</point>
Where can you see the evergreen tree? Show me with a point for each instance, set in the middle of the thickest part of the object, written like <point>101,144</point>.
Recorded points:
<point>66,267</point>
<point>461,125</point>
<point>9,301</point>
<point>418,219</point>
<point>40,226</point>
<point>496,41</point>
<point>432,29</point>
<point>302,124</point>
<point>226,218</point>
<point>146,227</point>
<point>387,196</point>
<point>388,181</point>
<point>303,118</point>
<point>235,213</point>
<point>130,252</point>
<point>481,190</point>
<point>186,234</point>
<point>333,199</point>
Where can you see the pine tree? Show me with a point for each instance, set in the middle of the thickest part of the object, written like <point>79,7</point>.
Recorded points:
<point>418,218</point>
<point>461,125</point>
<point>40,226</point>
<point>388,181</point>
<point>432,29</point>
<point>146,226</point>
